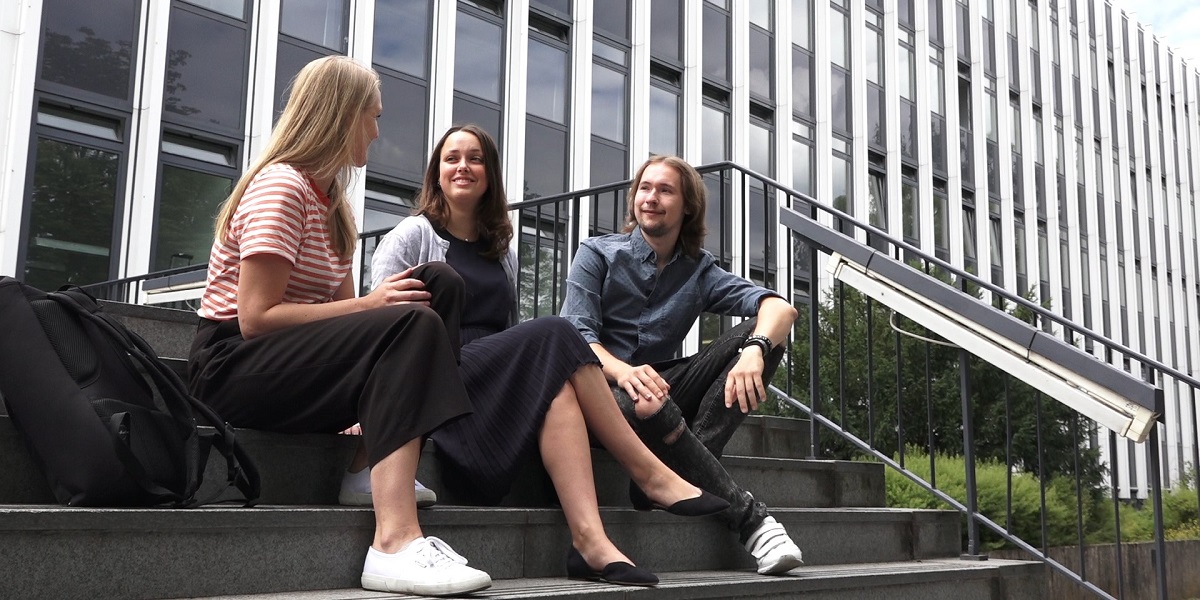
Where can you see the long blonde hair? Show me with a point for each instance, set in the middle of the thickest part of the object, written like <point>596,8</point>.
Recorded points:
<point>317,134</point>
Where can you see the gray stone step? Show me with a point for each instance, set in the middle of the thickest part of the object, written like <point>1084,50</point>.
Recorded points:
<point>307,469</point>
<point>58,552</point>
<point>938,579</point>
<point>168,330</point>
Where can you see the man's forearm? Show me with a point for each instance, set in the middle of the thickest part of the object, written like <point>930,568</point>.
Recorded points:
<point>775,319</point>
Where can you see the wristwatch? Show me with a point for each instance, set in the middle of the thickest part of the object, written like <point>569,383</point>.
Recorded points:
<point>761,341</point>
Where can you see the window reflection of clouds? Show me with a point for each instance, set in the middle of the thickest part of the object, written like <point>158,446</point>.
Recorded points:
<point>477,58</point>
<point>547,81</point>
<point>608,103</point>
<point>321,22</point>
<point>664,121</point>
<point>401,36</point>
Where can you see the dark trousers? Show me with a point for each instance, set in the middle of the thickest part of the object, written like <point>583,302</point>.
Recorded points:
<point>691,429</point>
<point>393,369</point>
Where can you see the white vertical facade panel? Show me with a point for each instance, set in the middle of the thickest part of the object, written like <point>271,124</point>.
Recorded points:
<point>19,34</point>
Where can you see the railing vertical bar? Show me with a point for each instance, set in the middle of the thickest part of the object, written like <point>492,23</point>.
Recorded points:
<point>1115,466</point>
<point>1041,460</point>
<point>814,358</point>
<point>1008,457</point>
<point>1196,449</point>
<point>870,353</point>
<point>841,289</point>
<point>964,370</point>
<point>537,261</point>
<point>1160,544</point>
<point>1078,497</point>
<point>899,349</point>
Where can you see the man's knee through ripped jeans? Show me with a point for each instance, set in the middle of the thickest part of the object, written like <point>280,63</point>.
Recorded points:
<point>667,435</point>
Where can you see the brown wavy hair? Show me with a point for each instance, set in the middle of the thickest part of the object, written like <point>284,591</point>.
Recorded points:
<point>317,134</point>
<point>491,215</point>
<point>695,198</point>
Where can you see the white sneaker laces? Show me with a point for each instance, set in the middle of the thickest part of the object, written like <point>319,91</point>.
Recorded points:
<point>437,552</point>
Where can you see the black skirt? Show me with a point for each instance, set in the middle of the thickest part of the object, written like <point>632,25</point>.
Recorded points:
<point>511,377</point>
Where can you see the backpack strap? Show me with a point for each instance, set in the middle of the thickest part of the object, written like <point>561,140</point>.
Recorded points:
<point>240,469</point>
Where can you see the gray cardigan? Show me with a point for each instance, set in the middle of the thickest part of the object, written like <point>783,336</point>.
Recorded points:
<point>412,242</point>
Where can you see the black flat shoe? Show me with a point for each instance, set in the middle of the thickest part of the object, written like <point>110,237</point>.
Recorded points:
<point>619,573</point>
<point>702,505</point>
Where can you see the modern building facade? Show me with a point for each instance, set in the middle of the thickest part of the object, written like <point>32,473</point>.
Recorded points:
<point>1045,144</point>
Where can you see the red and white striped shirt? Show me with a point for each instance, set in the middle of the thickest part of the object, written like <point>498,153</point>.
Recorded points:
<point>281,213</point>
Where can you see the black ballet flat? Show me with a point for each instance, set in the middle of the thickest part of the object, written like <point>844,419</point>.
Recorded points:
<point>700,506</point>
<point>619,573</point>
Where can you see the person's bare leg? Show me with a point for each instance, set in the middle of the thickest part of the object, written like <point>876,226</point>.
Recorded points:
<point>604,419</point>
<point>567,457</point>
<point>394,498</point>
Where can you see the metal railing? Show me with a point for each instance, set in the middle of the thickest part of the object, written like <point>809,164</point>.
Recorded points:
<point>872,387</point>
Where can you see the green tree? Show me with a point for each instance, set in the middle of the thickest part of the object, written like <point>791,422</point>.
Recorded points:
<point>894,390</point>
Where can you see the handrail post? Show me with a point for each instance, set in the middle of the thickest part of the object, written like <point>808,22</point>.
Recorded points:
<point>814,344</point>
<point>964,370</point>
<point>1160,542</point>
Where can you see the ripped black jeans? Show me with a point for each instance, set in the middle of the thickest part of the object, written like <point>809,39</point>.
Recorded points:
<point>691,429</point>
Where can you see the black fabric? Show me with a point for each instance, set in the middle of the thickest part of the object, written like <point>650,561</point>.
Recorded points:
<point>489,294</point>
<point>511,377</point>
<point>107,422</point>
<point>392,369</point>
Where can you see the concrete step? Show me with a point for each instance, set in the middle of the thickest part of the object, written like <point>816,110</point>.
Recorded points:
<point>307,469</point>
<point>58,552</point>
<point>938,579</point>
<point>168,330</point>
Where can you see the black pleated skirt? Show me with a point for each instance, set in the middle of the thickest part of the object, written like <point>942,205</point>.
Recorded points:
<point>511,378</point>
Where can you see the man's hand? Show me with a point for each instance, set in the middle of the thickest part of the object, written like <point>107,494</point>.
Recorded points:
<point>642,383</point>
<point>744,385</point>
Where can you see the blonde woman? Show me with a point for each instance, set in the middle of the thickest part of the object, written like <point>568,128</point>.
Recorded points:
<point>284,345</point>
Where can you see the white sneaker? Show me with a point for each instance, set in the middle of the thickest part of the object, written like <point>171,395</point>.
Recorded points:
<point>775,552</point>
<point>356,491</point>
<point>426,566</point>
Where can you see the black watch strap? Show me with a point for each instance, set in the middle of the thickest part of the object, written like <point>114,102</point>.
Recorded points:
<point>761,341</point>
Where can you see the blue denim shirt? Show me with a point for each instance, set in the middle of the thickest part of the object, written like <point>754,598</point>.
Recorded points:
<point>616,297</point>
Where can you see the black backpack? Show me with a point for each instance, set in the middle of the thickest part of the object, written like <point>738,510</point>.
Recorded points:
<point>108,423</point>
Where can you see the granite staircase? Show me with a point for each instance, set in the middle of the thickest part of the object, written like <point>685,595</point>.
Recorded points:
<point>298,543</point>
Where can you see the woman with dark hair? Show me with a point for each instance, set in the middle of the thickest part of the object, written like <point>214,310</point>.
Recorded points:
<point>284,345</point>
<point>536,386</point>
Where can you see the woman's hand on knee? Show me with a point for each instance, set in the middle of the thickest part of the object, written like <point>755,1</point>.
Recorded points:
<point>400,288</point>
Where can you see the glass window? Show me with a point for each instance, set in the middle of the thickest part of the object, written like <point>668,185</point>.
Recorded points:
<point>561,6</point>
<point>802,168</point>
<point>188,203</point>
<point>761,146</point>
<point>479,57</point>
<point>402,121</point>
<point>206,70</point>
<point>664,114</point>
<point>874,56</point>
<point>911,211</point>
<point>762,75</point>
<point>232,8</point>
<point>839,52</point>
<point>608,164</point>
<point>908,130</point>
<point>760,13</point>
<point>545,160</point>
<point>839,100</point>
<point>716,43</point>
<point>72,214</point>
<point>612,17</point>
<point>908,78</point>
<point>666,16</point>
<point>716,133</point>
<point>802,82</point>
<point>802,23</point>
<point>401,39</point>
<point>876,116</point>
<point>839,171</point>
<point>608,103</point>
<point>547,80</point>
<point>89,45</point>
<point>470,111</point>
<point>321,22</point>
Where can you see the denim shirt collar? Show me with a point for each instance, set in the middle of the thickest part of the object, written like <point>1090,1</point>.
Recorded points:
<point>642,250</point>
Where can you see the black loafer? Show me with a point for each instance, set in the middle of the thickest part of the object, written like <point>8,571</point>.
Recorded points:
<point>702,505</point>
<point>619,573</point>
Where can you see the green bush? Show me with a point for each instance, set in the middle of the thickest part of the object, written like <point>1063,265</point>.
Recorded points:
<point>1065,507</point>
